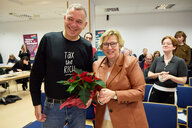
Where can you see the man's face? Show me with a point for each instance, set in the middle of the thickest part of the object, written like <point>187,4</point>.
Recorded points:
<point>148,59</point>
<point>74,23</point>
<point>88,37</point>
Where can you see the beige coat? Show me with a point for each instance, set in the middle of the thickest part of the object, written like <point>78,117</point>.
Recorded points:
<point>128,81</point>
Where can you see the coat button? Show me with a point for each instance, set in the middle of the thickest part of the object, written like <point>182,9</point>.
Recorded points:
<point>110,110</point>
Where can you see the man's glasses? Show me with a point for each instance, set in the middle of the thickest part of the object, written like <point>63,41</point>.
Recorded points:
<point>113,45</point>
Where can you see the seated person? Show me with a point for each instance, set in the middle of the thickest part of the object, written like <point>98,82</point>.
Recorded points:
<point>4,85</point>
<point>146,62</point>
<point>22,65</point>
<point>12,59</point>
<point>1,59</point>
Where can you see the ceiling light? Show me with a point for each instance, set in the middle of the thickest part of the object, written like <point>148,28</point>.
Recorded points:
<point>164,6</point>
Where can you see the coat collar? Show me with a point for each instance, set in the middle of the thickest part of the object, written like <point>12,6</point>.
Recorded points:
<point>116,69</point>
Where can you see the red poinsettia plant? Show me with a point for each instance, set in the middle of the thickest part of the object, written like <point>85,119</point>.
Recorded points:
<point>85,83</point>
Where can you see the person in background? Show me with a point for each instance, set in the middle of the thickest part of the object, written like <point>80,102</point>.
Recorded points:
<point>125,86</point>
<point>128,52</point>
<point>146,62</point>
<point>22,65</point>
<point>89,36</point>
<point>24,52</point>
<point>142,56</point>
<point>12,59</point>
<point>1,59</point>
<point>182,50</point>
<point>58,55</point>
<point>156,54</point>
<point>168,71</point>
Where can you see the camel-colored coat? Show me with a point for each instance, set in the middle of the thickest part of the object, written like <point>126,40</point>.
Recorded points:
<point>127,79</point>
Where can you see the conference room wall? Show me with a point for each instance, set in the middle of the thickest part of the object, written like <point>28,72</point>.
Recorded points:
<point>11,33</point>
<point>138,30</point>
<point>147,30</point>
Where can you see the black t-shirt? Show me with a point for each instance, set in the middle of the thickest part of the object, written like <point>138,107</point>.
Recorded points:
<point>55,60</point>
<point>175,67</point>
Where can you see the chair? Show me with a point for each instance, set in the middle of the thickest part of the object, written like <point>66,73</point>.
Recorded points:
<point>190,81</point>
<point>147,89</point>
<point>184,96</point>
<point>189,116</point>
<point>161,115</point>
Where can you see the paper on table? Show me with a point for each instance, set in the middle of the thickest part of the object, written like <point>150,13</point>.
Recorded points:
<point>182,116</point>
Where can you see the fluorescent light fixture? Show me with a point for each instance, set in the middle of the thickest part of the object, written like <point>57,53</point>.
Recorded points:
<point>164,6</point>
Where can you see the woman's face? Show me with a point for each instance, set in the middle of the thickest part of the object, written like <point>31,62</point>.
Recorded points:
<point>25,62</point>
<point>111,47</point>
<point>168,46</point>
<point>157,54</point>
<point>180,39</point>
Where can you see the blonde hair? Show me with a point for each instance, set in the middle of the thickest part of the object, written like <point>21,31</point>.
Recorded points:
<point>110,33</point>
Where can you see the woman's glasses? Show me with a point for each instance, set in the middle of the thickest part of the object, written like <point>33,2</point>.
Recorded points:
<point>106,45</point>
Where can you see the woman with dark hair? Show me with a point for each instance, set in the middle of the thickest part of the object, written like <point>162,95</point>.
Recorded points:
<point>22,65</point>
<point>24,52</point>
<point>168,71</point>
<point>182,50</point>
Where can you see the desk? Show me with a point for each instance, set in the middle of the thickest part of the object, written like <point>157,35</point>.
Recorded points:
<point>14,76</point>
<point>6,66</point>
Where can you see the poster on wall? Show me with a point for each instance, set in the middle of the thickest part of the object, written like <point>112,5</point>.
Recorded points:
<point>31,41</point>
<point>98,34</point>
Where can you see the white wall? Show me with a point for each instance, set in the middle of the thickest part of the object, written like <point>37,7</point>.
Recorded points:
<point>138,30</point>
<point>147,30</point>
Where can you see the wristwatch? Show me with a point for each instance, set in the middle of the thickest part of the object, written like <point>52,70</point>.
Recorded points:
<point>115,97</point>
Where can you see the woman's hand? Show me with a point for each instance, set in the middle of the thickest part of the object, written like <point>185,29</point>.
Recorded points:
<point>19,70</point>
<point>105,95</point>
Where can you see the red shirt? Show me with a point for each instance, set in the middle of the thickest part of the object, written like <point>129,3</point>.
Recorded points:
<point>145,66</point>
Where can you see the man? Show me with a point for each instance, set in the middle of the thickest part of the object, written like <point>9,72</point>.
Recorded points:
<point>146,62</point>
<point>142,56</point>
<point>145,65</point>
<point>58,55</point>
<point>89,36</point>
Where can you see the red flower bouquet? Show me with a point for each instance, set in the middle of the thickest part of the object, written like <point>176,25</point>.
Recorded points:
<point>85,83</point>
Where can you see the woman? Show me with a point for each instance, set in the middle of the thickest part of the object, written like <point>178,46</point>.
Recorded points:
<point>22,65</point>
<point>156,54</point>
<point>168,70</point>
<point>12,59</point>
<point>24,52</point>
<point>120,103</point>
<point>182,50</point>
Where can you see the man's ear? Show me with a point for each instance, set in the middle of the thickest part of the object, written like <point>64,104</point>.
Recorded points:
<point>85,25</point>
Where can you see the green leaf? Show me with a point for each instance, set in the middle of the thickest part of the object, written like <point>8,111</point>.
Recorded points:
<point>78,71</point>
<point>100,82</point>
<point>71,87</point>
<point>84,95</point>
<point>63,82</point>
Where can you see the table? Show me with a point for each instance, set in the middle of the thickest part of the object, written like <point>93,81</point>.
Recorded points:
<point>14,76</point>
<point>6,66</point>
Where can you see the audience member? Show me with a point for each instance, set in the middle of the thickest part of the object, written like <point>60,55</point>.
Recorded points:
<point>1,59</point>
<point>128,52</point>
<point>168,71</point>
<point>146,62</point>
<point>156,54</point>
<point>58,55</point>
<point>24,52</point>
<point>12,59</point>
<point>182,50</point>
<point>22,65</point>
<point>142,56</point>
<point>89,36</point>
<point>125,86</point>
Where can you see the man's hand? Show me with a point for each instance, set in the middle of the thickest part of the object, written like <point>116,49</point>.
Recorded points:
<point>39,116</point>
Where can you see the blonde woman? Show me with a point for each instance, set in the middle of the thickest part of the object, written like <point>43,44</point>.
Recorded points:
<point>120,103</point>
